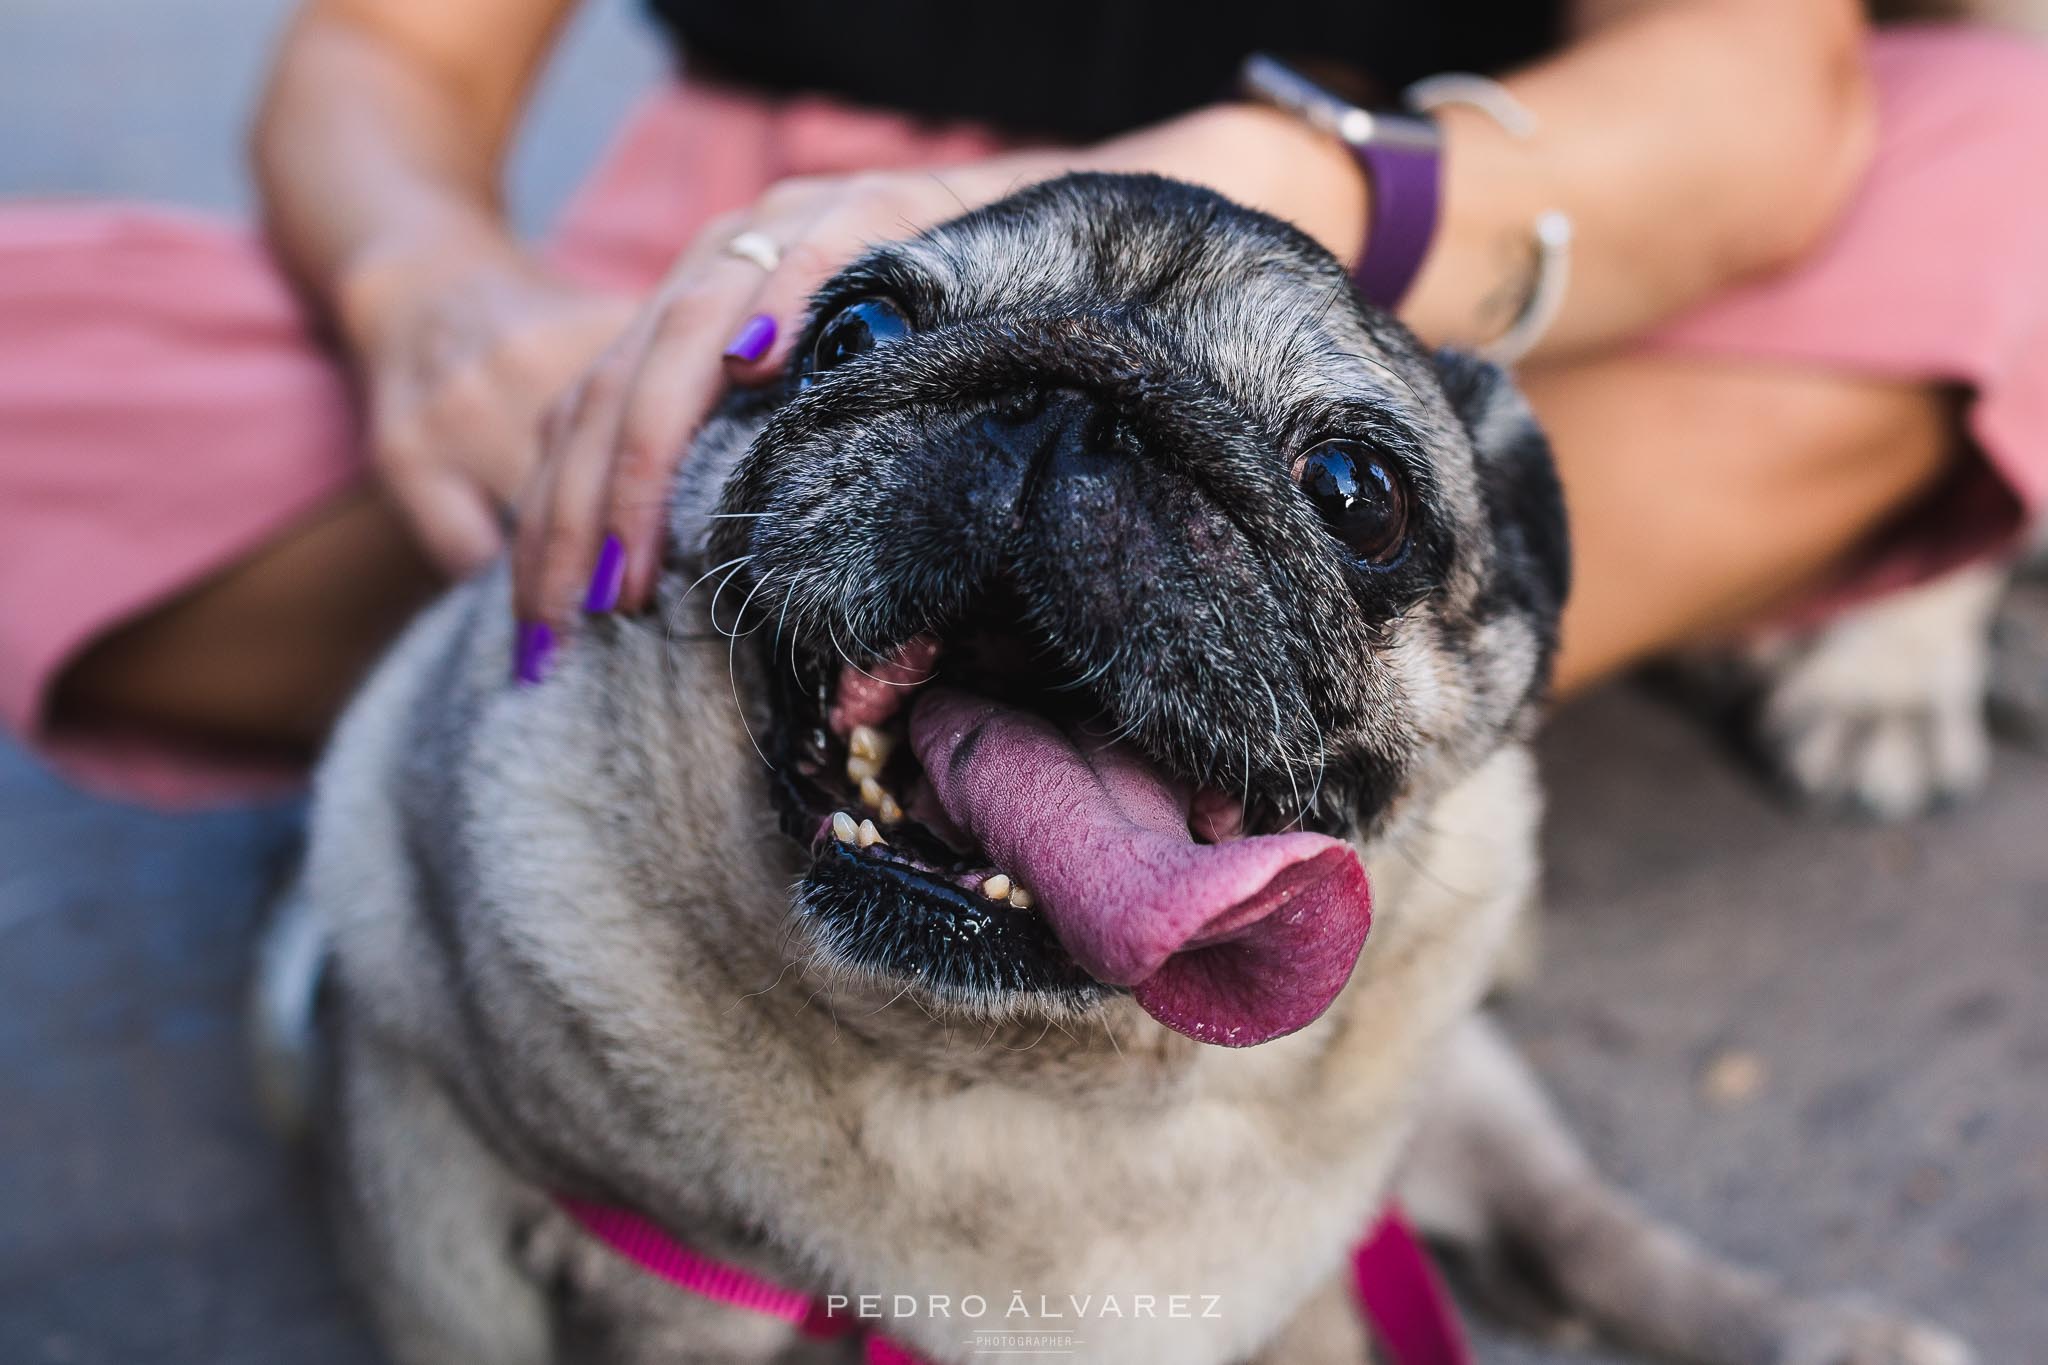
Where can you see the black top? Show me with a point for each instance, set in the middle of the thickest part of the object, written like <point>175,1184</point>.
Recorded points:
<point>1088,68</point>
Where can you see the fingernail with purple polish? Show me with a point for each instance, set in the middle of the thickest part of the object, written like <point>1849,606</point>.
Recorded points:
<point>607,578</point>
<point>535,648</point>
<point>754,338</point>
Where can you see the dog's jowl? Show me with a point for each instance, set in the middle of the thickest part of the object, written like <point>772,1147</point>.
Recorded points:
<point>1045,852</point>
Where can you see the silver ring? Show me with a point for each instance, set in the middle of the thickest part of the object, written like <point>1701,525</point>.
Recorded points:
<point>757,247</point>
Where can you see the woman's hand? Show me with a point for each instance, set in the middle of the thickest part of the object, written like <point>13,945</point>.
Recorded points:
<point>460,352</point>
<point>612,443</point>
<point>590,525</point>
<point>378,150</point>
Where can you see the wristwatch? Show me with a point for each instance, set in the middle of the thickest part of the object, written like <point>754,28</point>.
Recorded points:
<point>1402,157</point>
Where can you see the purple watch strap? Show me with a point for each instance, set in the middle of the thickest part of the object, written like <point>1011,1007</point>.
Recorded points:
<point>1407,185</point>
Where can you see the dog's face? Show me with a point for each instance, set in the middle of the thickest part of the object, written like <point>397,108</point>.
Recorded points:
<point>1106,558</point>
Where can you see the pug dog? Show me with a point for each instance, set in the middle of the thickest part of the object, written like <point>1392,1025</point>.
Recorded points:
<point>1051,841</point>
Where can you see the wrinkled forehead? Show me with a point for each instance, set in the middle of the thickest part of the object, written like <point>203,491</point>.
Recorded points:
<point>1275,327</point>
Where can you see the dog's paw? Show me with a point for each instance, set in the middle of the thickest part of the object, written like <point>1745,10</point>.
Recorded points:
<point>1891,762</point>
<point>1881,711</point>
<point>1856,1332</point>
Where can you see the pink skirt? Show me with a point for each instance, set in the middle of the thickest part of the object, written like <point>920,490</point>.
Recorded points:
<point>166,408</point>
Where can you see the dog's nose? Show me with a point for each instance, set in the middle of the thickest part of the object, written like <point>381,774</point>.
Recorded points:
<point>1026,430</point>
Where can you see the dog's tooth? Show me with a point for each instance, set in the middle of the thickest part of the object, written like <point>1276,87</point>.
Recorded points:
<point>996,888</point>
<point>868,836</point>
<point>860,769</point>
<point>872,794</point>
<point>889,812</point>
<point>865,741</point>
<point>1020,898</point>
<point>843,828</point>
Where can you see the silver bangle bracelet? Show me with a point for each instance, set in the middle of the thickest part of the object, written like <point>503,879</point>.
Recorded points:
<point>1551,233</point>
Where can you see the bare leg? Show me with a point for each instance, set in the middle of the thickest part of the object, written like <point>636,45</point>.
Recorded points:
<point>1493,1173</point>
<point>265,652</point>
<point>1704,493</point>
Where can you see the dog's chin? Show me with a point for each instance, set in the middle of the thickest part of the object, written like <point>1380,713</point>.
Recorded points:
<point>981,832</point>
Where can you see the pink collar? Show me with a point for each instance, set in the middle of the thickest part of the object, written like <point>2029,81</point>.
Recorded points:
<point>1398,1288</point>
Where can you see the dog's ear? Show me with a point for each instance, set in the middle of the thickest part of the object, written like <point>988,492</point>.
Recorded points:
<point>1524,504</point>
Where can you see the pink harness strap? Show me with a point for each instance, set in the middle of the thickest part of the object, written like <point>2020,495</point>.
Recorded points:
<point>1404,1298</point>
<point>1397,1287</point>
<point>657,1253</point>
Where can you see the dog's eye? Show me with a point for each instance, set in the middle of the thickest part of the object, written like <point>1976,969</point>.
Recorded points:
<point>857,329</point>
<point>1360,497</point>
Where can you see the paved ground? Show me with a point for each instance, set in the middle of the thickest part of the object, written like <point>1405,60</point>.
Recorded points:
<point>1822,1047</point>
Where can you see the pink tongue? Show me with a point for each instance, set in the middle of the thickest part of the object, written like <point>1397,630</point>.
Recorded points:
<point>1232,943</point>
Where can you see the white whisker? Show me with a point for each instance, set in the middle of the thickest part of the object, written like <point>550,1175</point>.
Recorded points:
<point>1093,675</point>
<point>928,675</point>
<point>740,617</point>
<point>781,620</point>
<point>752,995</point>
<point>1034,1042</point>
<point>1280,741</point>
<point>733,677</point>
<point>1315,790</point>
<point>905,990</point>
<point>738,559</point>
